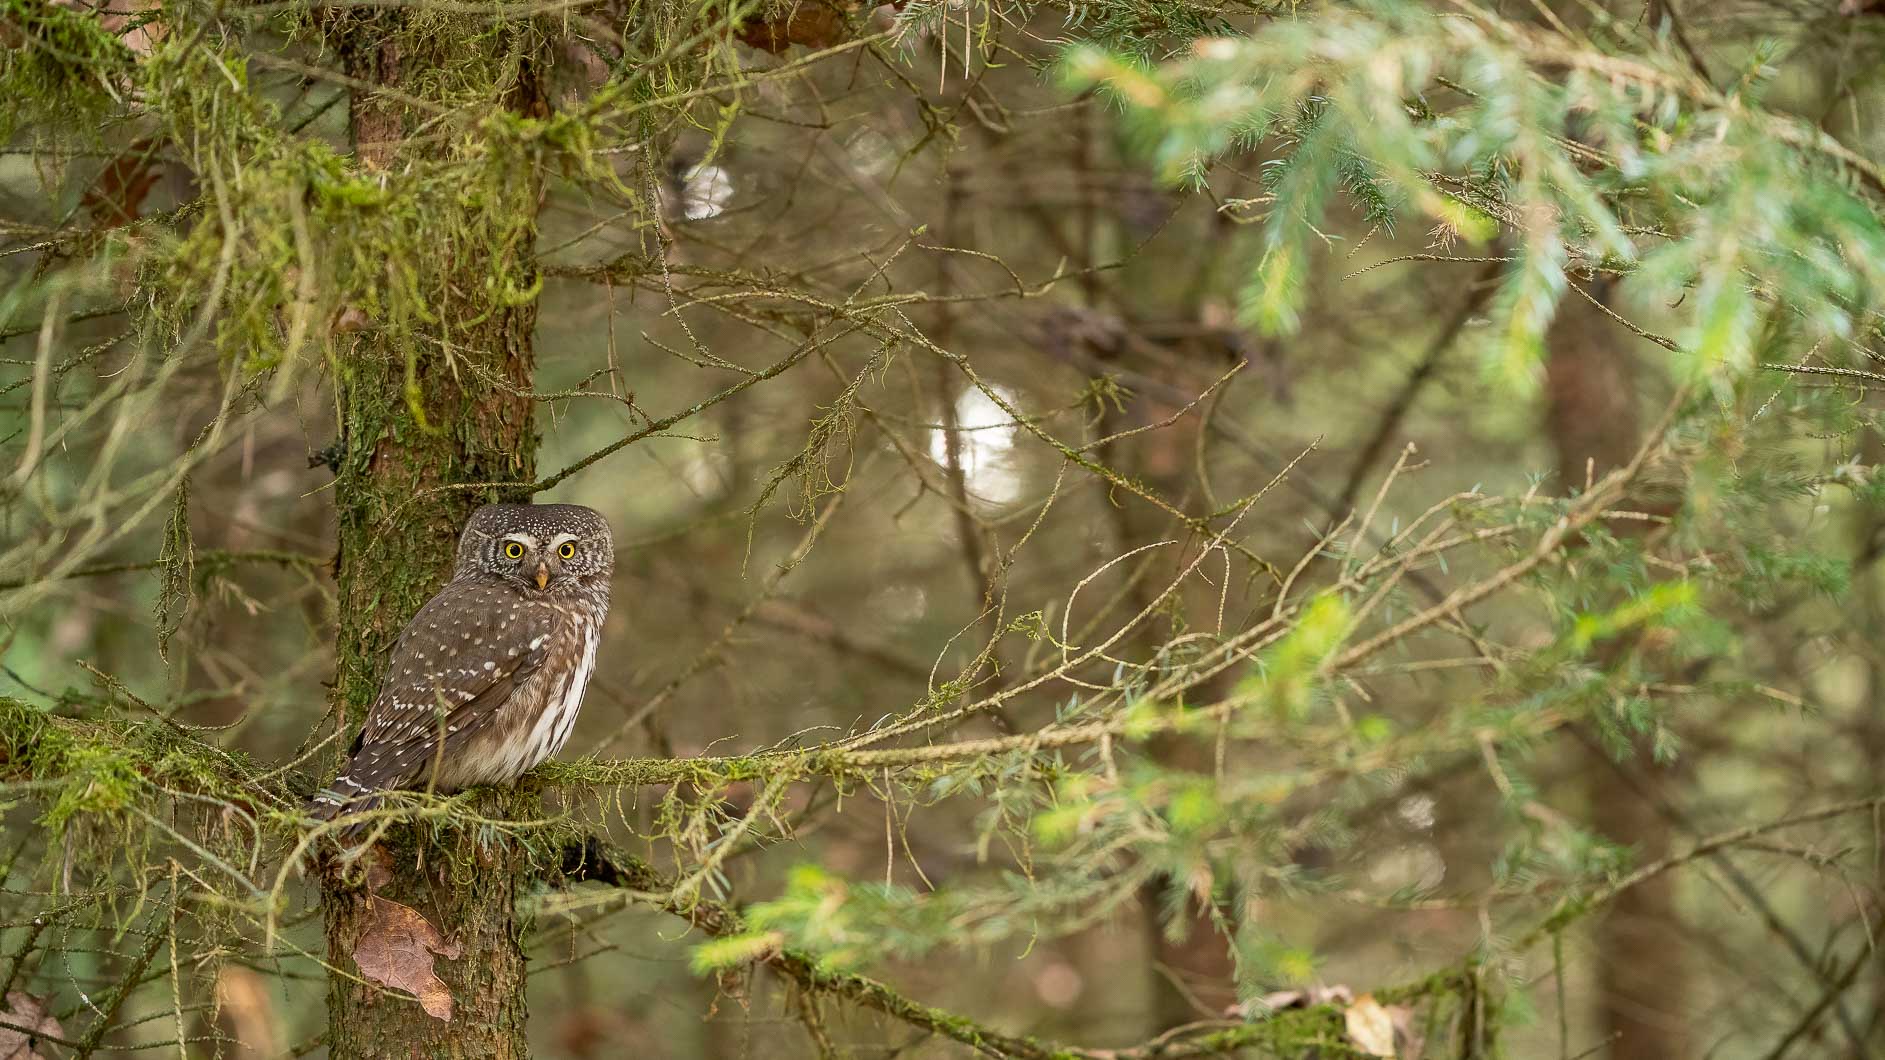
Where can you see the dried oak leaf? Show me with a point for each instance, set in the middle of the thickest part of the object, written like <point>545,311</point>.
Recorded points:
<point>810,23</point>
<point>396,950</point>
<point>24,1010</point>
<point>115,15</point>
<point>349,319</point>
<point>1370,1026</point>
<point>117,196</point>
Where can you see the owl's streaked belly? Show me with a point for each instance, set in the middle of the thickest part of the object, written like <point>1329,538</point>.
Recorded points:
<point>534,724</point>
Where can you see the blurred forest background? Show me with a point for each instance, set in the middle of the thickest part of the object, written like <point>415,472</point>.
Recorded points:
<point>1146,527</point>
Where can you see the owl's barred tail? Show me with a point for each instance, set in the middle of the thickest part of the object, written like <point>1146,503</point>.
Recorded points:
<point>344,795</point>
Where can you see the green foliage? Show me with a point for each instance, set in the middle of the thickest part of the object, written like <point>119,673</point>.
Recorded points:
<point>1289,673</point>
<point>1663,605</point>
<point>1231,748</point>
<point>732,951</point>
<point>847,924</point>
<point>58,64</point>
<point>1145,29</point>
<point>1619,165</point>
<point>105,771</point>
<point>300,234</point>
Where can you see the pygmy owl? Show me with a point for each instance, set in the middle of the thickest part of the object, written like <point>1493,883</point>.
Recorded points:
<point>486,679</point>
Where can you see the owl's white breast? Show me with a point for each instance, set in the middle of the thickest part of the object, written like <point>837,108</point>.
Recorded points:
<point>553,726</point>
<point>572,701</point>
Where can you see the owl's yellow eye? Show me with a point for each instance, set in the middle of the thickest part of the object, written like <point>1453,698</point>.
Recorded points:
<point>513,549</point>
<point>567,550</point>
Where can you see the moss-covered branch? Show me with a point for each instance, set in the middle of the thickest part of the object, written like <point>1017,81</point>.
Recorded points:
<point>591,860</point>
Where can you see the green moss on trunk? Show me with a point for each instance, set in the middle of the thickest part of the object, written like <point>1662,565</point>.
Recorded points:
<point>431,418</point>
<point>465,884</point>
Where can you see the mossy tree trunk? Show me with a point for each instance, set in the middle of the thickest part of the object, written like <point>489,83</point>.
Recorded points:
<point>422,414</point>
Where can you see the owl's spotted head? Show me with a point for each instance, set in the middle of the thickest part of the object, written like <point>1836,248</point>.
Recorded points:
<point>537,546</point>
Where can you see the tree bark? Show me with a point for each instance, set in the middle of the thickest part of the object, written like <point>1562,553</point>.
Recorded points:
<point>457,415</point>
<point>1193,972</point>
<point>1868,543</point>
<point>1642,981</point>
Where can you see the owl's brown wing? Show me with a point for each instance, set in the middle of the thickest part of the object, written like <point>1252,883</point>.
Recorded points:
<point>455,664</point>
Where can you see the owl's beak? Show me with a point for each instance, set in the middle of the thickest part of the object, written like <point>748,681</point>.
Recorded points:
<point>543,575</point>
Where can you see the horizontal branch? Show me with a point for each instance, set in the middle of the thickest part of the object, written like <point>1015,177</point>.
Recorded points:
<point>593,861</point>
<point>212,559</point>
<point>1701,848</point>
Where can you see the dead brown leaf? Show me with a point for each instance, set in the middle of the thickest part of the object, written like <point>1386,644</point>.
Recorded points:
<point>117,196</point>
<point>349,319</point>
<point>24,1010</point>
<point>811,23</point>
<point>1370,1026</point>
<point>115,15</point>
<point>396,950</point>
<point>1381,1030</point>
